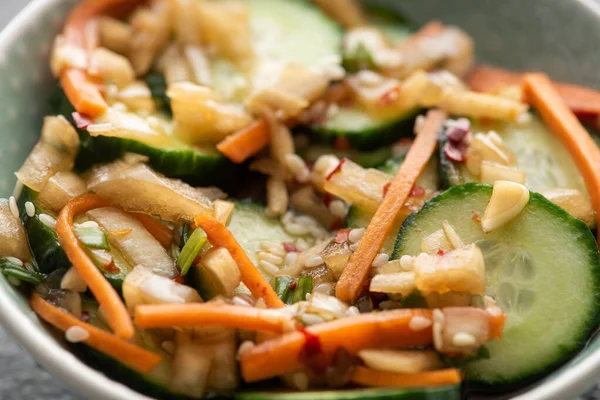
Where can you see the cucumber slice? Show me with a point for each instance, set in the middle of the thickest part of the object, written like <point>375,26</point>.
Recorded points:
<point>539,154</point>
<point>294,32</point>
<point>194,165</point>
<point>441,393</point>
<point>363,131</point>
<point>43,241</point>
<point>251,226</point>
<point>543,270</point>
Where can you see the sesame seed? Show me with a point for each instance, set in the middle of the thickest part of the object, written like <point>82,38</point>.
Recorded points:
<point>418,323</point>
<point>325,288</point>
<point>338,208</point>
<point>301,244</point>
<point>12,205</point>
<point>353,311</point>
<point>356,234</point>
<point>99,128</point>
<point>14,281</point>
<point>29,209</point>
<point>89,224</point>
<point>297,167</point>
<point>407,262</point>
<point>290,258</point>
<point>369,78</point>
<point>380,260</point>
<point>318,232</point>
<point>47,220</point>
<point>314,262</point>
<point>272,258</point>
<point>287,218</point>
<point>463,339</point>
<point>296,229</point>
<point>168,346</point>
<point>14,260</point>
<point>438,318</point>
<point>311,319</point>
<point>268,267</point>
<point>76,334</point>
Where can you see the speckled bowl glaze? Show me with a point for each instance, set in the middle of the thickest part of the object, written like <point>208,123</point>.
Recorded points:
<point>556,36</point>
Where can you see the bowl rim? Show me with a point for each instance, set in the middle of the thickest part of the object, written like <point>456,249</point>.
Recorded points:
<point>93,384</point>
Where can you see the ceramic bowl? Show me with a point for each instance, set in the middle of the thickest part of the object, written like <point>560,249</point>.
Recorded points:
<point>550,35</point>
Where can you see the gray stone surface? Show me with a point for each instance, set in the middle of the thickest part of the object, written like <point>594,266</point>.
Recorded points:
<point>20,377</point>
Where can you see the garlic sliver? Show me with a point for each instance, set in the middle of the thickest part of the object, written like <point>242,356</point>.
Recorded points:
<point>507,201</point>
<point>451,235</point>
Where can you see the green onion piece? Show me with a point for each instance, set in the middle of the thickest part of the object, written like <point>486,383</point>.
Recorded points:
<point>23,274</point>
<point>282,286</point>
<point>303,287</point>
<point>361,58</point>
<point>91,237</point>
<point>190,250</point>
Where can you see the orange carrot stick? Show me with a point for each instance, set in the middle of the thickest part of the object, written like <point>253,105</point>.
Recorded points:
<point>243,144</point>
<point>80,31</point>
<point>369,377</point>
<point>581,100</point>
<point>355,273</point>
<point>209,314</point>
<point>219,236</point>
<point>160,231</point>
<point>539,92</point>
<point>375,330</point>
<point>107,296</point>
<point>127,353</point>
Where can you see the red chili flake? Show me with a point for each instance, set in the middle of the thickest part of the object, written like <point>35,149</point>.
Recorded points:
<point>342,236</point>
<point>336,224</point>
<point>386,187</point>
<point>290,248</point>
<point>342,143</point>
<point>475,216</point>
<point>405,141</point>
<point>441,252</point>
<point>417,191</point>
<point>179,279</point>
<point>85,316</point>
<point>82,121</point>
<point>337,169</point>
<point>456,152</point>
<point>377,298</point>
<point>312,343</point>
<point>111,268</point>
<point>327,199</point>
<point>485,121</point>
<point>311,354</point>
<point>293,285</point>
<point>197,260</point>
<point>389,97</point>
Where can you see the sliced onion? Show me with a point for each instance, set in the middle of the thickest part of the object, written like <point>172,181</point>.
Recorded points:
<point>55,151</point>
<point>138,246</point>
<point>13,240</point>
<point>142,286</point>
<point>134,186</point>
<point>61,188</point>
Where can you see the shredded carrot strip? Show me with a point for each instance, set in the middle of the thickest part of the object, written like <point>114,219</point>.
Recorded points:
<point>285,353</point>
<point>107,296</point>
<point>581,100</point>
<point>80,31</point>
<point>539,91</point>
<point>243,144</point>
<point>357,269</point>
<point>496,318</point>
<point>160,231</point>
<point>370,377</point>
<point>127,353</point>
<point>208,314</point>
<point>219,236</point>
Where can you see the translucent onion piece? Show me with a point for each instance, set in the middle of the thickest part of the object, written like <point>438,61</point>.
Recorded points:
<point>13,240</point>
<point>55,151</point>
<point>134,186</point>
<point>61,188</point>
<point>138,246</point>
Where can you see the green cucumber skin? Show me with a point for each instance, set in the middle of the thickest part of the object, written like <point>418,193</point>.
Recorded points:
<point>43,241</point>
<point>442,393</point>
<point>448,172</point>
<point>371,138</point>
<point>584,237</point>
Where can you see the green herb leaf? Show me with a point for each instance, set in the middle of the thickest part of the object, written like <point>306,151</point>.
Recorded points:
<point>91,237</point>
<point>303,287</point>
<point>23,274</point>
<point>190,250</point>
<point>282,287</point>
